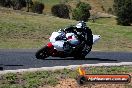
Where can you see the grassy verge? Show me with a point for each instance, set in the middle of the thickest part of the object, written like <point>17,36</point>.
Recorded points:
<point>51,78</point>
<point>27,30</point>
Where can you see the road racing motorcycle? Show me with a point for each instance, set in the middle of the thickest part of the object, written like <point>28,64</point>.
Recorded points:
<point>55,47</point>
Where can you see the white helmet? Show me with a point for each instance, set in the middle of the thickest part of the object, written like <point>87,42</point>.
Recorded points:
<point>81,24</point>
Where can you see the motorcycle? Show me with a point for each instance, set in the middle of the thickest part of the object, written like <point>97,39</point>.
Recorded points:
<point>56,48</point>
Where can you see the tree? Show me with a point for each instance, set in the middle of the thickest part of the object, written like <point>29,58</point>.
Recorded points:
<point>18,4</point>
<point>38,7</point>
<point>81,12</point>
<point>60,10</point>
<point>6,3</point>
<point>123,11</point>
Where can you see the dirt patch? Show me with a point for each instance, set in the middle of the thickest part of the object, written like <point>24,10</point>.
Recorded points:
<point>67,83</point>
<point>72,83</point>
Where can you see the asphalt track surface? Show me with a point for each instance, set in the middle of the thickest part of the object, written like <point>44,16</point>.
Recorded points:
<point>24,59</point>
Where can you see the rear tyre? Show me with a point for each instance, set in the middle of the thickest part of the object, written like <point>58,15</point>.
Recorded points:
<point>42,53</point>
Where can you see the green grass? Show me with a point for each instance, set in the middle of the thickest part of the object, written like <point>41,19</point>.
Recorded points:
<point>114,37</point>
<point>34,79</point>
<point>18,30</point>
<point>41,78</point>
<point>27,30</point>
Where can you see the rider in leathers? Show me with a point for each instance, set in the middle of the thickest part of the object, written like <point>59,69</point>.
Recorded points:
<point>82,31</point>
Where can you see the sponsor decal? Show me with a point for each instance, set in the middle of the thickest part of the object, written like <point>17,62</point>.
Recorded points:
<point>102,78</point>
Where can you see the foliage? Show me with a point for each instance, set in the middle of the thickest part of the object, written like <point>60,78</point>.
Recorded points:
<point>18,4</point>
<point>1,2</point>
<point>60,10</point>
<point>81,12</point>
<point>6,3</point>
<point>123,10</point>
<point>37,7</point>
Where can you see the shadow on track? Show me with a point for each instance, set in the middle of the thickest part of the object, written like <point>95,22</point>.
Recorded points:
<point>95,59</point>
<point>10,65</point>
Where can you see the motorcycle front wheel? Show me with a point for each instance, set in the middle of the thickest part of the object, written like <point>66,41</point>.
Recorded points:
<point>42,53</point>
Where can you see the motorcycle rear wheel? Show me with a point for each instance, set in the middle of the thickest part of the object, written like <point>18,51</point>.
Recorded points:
<point>42,53</point>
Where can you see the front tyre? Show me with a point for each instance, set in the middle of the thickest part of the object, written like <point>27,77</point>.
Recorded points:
<point>42,53</point>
